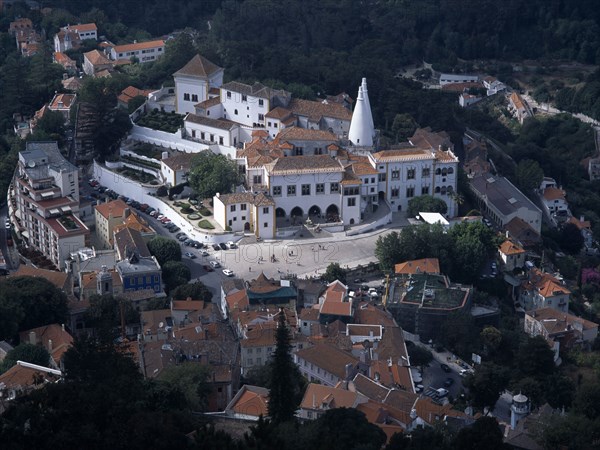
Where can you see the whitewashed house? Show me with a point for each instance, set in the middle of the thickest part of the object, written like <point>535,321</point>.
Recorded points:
<point>194,81</point>
<point>246,212</point>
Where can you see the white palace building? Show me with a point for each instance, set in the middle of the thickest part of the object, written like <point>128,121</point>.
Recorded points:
<point>306,159</point>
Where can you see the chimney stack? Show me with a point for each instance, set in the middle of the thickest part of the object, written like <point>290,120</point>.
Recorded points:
<point>32,338</point>
<point>49,345</point>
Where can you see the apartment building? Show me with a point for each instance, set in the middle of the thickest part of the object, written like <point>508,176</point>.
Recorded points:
<point>45,198</point>
<point>143,51</point>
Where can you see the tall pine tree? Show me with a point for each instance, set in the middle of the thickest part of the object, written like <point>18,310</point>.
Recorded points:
<point>286,381</point>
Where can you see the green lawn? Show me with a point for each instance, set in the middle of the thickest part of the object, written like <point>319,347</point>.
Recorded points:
<point>206,225</point>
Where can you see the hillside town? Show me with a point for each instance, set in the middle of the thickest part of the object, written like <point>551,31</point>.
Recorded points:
<point>255,250</point>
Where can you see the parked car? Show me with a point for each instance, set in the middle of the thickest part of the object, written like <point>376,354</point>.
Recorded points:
<point>487,222</point>
<point>208,268</point>
<point>153,213</point>
<point>231,245</point>
<point>445,368</point>
<point>214,264</point>
<point>223,246</point>
<point>198,244</point>
<point>203,253</point>
<point>182,238</point>
<point>188,242</point>
<point>441,392</point>
<point>419,388</point>
<point>449,382</point>
<point>216,247</point>
<point>190,255</point>
<point>465,372</point>
<point>228,272</point>
<point>175,229</point>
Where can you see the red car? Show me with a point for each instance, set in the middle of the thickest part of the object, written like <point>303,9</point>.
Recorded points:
<point>208,268</point>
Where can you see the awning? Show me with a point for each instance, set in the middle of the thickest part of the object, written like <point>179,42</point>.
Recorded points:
<point>54,211</point>
<point>66,208</point>
<point>47,194</point>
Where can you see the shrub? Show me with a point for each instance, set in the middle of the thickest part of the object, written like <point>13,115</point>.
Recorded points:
<point>206,224</point>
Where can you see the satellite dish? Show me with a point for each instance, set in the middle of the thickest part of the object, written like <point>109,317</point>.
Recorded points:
<point>160,325</point>
<point>31,163</point>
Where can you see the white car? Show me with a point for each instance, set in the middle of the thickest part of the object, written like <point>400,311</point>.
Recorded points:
<point>441,392</point>
<point>231,245</point>
<point>203,253</point>
<point>228,272</point>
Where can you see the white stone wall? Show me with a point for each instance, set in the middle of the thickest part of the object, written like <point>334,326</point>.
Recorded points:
<point>193,88</point>
<point>247,110</point>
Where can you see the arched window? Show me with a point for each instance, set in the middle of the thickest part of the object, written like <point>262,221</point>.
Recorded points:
<point>437,190</point>
<point>443,192</point>
<point>450,170</point>
<point>235,112</point>
<point>450,190</point>
<point>444,172</point>
<point>438,171</point>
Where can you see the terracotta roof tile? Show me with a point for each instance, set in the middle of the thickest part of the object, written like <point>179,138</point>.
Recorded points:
<point>328,358</point>
<point>308,164</point>
<point>113,208</point>
<point>253,401</point>
<point>221,124</point>
<point>139,46</point>
<point>510,248</point>
<point>198,66</point>
<point>315,110</point>
<point>426,265</point>
<point>318,396</point>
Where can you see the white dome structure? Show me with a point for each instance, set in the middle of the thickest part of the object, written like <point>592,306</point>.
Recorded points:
<point>362,128</point>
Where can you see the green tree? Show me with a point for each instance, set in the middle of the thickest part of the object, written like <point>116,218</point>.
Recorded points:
<point>196,291</point>
<point>560,391</point>
<point>388,250</point>
<point>211,174</point>
<point>285,392</point>
<point>492,338</point>
<point>342,429</point>
<point>164,249</point>
<point>52,122</point>
<point>29,302</point>
<point>484,433</point>
<point>404,126</point>
<point>192,379</point>
<point>175,274</point>
<point>34,354</point>
<point>587,400</point>
<point>535,358</point>
<point>419,356</point>
<point>571,240</point>
<point>104,315</point>
<point>486,384</point>
<point>528,175</point>
<point>334,272</point>
<point>426,203</point>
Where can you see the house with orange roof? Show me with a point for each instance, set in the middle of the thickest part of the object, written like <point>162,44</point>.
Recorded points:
<point>176,167</point>
<point>541,290</point>
<point>327,364</point>
<point>425,265</point>
<point>335,304</point>
<point>553,198</point>
<point>250,403</point>
<point>72,36</point>
<point>63,103</point>
<point>68,64</point>
<point>519,107</point>
<point>95,283</point>
<point>95,62</point>
<point>131,92</point>
<point>23,378</point>
<point>107,216</point>
<point>561,330</point>
<point>54,338</point>
<point>319,398</point>
<point>512,255</point>
<point>585,227</point>
<point>143,51</point>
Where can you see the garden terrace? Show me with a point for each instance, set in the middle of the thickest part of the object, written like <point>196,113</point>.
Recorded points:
<point>162,121</point>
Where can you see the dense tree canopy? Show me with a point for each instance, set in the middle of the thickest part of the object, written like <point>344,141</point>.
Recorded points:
<point>196,291</point>
<point>426,203</point>
<point>175,274</point>
<point>34,354</point>
<point>212,173</point>
<point>28,302</point>
<point>462,250</point>
<point>334,272</point>
<point>164,249</point>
